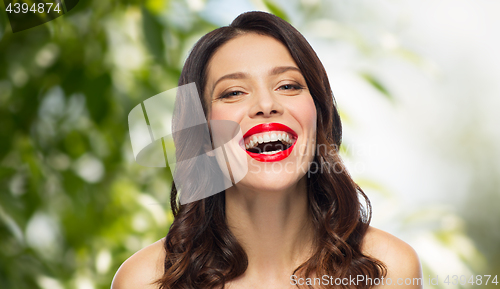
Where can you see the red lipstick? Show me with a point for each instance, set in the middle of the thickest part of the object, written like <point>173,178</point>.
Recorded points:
<point>267,127</point>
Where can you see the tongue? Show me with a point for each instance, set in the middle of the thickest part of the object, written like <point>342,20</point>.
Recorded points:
<point>268,147</point>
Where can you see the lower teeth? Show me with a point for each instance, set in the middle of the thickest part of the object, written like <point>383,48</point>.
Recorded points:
<point>271,153</point>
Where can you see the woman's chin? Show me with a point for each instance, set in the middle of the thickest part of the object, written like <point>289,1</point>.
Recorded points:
<point>274,176</point>
<point>265,182</point>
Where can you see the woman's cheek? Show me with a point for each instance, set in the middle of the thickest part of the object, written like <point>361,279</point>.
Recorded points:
<point>215,112</point>
<point>223,112</point>
<point>305,113</point>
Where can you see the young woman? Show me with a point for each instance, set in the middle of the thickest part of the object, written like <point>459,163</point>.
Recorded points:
<point>295,219</point>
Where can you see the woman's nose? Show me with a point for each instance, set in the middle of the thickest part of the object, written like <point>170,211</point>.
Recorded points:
<point>265,104</point>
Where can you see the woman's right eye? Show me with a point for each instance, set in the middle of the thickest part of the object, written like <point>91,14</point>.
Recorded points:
<point>231,94</point>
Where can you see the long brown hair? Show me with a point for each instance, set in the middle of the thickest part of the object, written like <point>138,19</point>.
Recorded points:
<point>201,251</point>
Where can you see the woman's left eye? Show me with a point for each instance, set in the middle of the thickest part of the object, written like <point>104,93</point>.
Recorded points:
<point>290,87</point>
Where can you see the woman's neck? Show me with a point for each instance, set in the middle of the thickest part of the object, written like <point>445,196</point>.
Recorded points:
<point>274,228</point>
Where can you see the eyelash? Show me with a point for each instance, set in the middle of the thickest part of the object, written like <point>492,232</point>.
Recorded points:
<point>227,95</point>
<point>294,86</point>
<point>231,93</point>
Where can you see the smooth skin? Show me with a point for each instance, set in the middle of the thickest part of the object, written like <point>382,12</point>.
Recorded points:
<point>253,79</point>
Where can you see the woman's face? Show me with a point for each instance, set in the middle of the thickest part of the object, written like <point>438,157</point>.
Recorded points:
<point>253,80</point>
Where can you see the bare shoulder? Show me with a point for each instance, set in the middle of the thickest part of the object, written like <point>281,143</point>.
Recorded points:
<point>400,259</point>
<point>142,269</point>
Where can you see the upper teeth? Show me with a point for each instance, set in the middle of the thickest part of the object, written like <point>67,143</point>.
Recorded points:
<point>265,138</point>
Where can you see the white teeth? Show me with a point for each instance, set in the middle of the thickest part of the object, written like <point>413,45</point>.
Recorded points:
<point>270,153</point>
<point>265,138</point>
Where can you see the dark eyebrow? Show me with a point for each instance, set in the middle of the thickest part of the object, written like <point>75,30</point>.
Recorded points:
<point>236,75</point>
<point>282,69</point>
<point>241,75</point>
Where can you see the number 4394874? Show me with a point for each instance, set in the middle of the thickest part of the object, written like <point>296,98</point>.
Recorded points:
<point>35,8</point>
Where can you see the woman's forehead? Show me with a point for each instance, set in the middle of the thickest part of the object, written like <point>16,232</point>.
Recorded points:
<point>248,53</point>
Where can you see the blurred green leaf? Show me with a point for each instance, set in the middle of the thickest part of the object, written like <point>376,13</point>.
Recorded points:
<point>153,33</point>
<point>377,84</point>
<point>157,6</point>
<point>3,25</point>
<point>276,10</point>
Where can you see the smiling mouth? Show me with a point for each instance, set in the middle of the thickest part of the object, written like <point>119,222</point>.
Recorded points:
<point>269,143</point>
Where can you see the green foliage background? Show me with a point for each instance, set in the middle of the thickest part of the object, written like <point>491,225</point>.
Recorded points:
<point>73,203</point>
